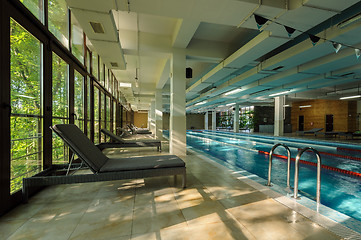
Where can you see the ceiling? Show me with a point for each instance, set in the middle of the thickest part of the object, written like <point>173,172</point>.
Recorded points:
<point>226,50</point>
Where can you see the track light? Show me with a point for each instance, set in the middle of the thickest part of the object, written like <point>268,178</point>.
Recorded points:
<point>358,53</point>
<point>260,21</point>
<point>336,46</point>
<point>314,39</point>
<point>290,30</point>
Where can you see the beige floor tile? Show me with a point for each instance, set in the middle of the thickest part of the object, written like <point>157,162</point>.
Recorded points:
<point>215,205</point>
<point>147,220</point>
<point>205,213</point>
<point>24,212</point>
<point>55,209</point>
<point>224,230</point>
<point>112,229</point>
<point>9,227</point>
<point>244,199</point>
<point>146,236</point>
<point>59,227</point>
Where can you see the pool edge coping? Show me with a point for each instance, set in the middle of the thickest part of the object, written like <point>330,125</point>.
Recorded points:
<point>339,229</point>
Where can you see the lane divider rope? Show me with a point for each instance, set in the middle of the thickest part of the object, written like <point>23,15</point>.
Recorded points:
<point>348,172</point>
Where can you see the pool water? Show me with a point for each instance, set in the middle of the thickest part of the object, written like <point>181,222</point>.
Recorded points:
<point>339,191</point>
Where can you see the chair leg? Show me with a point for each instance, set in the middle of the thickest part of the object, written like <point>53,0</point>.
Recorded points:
<point>184,180</point>
<point>25,194</point>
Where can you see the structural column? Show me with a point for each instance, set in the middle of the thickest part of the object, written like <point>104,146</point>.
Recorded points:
<point>158,114</point>
<point>177,125</point>
<point>236,118</point>
<point>214,120</point>
<point>279,116</point>
<point>152,117</point>
<point>206,121</point>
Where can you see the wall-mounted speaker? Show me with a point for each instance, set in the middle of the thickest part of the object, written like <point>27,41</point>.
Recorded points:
<point>189,72</point>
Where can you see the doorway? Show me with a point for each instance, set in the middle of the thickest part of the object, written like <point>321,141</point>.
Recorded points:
<point>329,123</point>
<point>301,123</point>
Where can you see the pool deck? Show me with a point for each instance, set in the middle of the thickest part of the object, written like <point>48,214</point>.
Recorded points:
<point>217,204</point>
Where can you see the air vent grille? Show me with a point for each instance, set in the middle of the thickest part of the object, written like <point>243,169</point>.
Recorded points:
<point>277,68</point>
<point>114,64</point>
<point>97,27</point>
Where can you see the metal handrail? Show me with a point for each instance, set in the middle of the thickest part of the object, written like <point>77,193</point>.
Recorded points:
<point>288,163</point>
<point>318,191</point>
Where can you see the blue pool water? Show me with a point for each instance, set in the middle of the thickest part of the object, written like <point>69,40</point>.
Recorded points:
<point>339,191</point>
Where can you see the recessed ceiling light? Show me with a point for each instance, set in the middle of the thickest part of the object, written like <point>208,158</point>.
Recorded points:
<point>356,96</point>
<point>280,93</point>
<point>125,85</point>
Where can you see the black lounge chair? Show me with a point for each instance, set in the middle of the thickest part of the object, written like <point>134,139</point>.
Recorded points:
<point>136,130</point>
<point>312,131</point>
<point>120,142</point>
<point>352,135</point>
<point>104,168</point>
<point>328,134</point>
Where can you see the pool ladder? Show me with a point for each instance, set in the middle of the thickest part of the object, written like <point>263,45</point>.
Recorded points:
<point>288,164</point>
<point>297,162</point>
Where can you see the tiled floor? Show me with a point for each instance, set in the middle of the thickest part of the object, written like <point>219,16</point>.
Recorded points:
<point>215,205</point>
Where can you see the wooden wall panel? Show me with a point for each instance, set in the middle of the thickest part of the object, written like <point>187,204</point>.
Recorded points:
<point>141,119</point>
<point>344,114</point>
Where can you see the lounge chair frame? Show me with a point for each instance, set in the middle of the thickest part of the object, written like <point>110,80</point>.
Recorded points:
<point>45,178</point>
<point>119,142</point>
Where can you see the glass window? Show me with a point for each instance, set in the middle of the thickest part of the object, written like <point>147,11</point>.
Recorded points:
<point>58,20</point>
<point>108,123</point>
<point>26,121</point>
<point>79,100</point>
<point>95,65</point>
<point>106,83</point>
<point>101,72</point>
<point>102,115</point>
<point>60,106</point>
<point>77,40</point>
<point>114,117</point>
<point>88,107</point>
<point>96,115</point>
<point>88,60</point>
<point>36,7</point>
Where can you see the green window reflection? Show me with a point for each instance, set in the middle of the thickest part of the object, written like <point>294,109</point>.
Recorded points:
<point>77,40</point>
<point>58,20</point>
<point>60,106</point>
<point>96,115</point>
<point>26,120</point>
<point>95,65</point>
<point>36,7</point>
<point>79,100</point>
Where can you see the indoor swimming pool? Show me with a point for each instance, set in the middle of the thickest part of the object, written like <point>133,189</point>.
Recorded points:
<point>340,174</point>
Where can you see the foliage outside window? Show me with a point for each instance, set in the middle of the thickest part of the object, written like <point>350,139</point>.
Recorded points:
<point>108,123</point>
<point>88,106</point>
<point>60,106</point>
<point>88,61</point>
<point>36,7</point>
<point>246,118</point>
<point>95,65</point>
<point>96,115</point>
<point>102,115</point>
<point>77,40</point>
<point>26,103</point>
<point>106,81</point>
<point>114,117</point>
<point>79,100</point>
<point>58,20</point>
<point>101,72</point>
